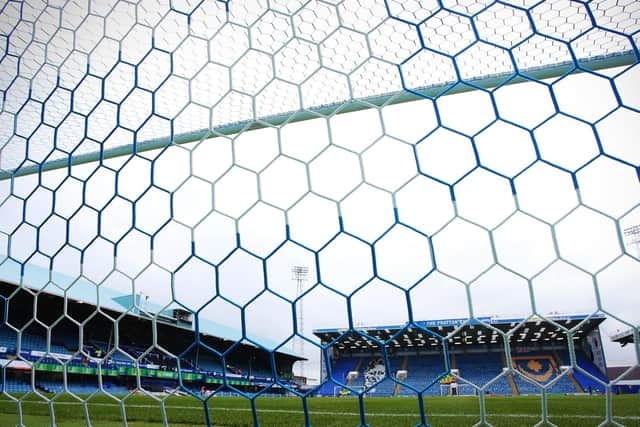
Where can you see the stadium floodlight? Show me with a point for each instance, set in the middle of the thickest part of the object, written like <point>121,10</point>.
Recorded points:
<point>300,274</point>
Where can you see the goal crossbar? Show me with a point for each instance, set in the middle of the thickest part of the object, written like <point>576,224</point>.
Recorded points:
<point>408,95</point>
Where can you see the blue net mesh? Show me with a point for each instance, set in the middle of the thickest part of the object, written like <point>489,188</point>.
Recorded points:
<point>213,198</point>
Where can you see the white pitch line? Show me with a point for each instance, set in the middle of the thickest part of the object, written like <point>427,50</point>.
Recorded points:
<point>435,414</point>
<point>354,414</point>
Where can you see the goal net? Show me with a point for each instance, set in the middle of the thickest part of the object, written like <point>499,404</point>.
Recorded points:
<point>457,390</point>
<point>165,166</point>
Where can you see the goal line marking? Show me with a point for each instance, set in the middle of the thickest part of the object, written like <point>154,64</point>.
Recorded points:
<point>354,414</point>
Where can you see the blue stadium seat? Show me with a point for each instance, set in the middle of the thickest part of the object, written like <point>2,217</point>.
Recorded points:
<point>340,370</point>
<point>587,383</point>
<point>421,371</point>
<point>482,368</point>
<point>14,386</point>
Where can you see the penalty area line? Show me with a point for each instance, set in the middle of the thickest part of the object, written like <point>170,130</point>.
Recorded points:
<point>434,414</point>
<point>354,414</point>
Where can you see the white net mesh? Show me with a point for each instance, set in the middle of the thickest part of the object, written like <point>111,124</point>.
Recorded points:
<point>166,165</point>
<point>127,74</point>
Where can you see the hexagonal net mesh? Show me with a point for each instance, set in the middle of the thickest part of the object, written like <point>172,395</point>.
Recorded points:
<point>194,192</point>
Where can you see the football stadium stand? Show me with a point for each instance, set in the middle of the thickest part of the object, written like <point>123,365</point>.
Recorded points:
<point>433,355</point>
<point>341,368</point>
<point>543,368</point>
<point>627,379</point>
<point>480,369</point>
<point>625,337</point>
<point>424,370</point>
<point>37,360</point>
<point>463,356</point>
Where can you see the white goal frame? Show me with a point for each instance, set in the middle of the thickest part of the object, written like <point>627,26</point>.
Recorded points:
<point>463,390</point>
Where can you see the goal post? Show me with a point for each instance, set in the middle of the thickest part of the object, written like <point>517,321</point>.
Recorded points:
<point>457,389</point>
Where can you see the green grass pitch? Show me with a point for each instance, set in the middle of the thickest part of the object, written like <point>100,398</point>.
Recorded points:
<point>386,412</point>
